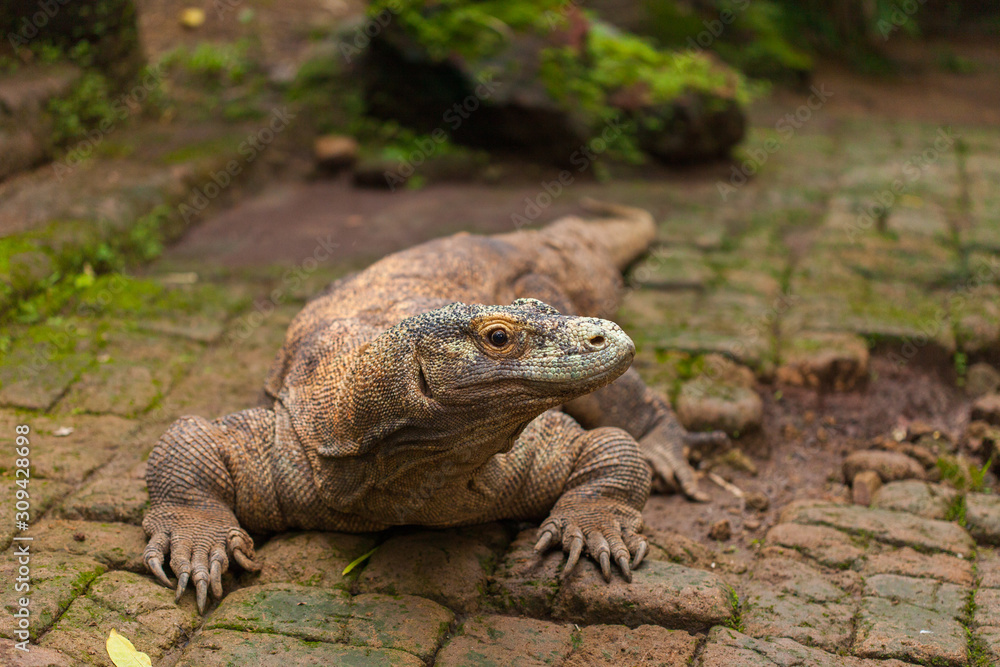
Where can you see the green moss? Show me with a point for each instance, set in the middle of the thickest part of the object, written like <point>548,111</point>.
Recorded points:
<point>86,106</point>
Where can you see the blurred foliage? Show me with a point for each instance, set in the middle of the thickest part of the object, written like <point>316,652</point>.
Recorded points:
<point>101,34</point>
<point>84,107</point>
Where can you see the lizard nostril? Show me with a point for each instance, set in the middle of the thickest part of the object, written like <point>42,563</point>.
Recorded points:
<point>597,341</point>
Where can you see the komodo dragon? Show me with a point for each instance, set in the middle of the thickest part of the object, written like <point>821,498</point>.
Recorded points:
<point>400,398</point>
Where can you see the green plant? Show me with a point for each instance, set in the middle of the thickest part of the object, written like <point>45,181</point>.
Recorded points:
<point>86,105</point>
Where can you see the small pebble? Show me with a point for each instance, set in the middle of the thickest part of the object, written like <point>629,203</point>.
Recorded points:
<point>721,530</point>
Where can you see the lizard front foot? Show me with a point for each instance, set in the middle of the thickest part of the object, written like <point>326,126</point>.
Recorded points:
<point>663,449</point>
<point>608,528</point>
<point>200,543</point>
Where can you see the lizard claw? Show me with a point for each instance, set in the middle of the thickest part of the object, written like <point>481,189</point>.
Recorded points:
<point>200,543</point>
<point>201,590</point>
<point>182,584</point>
<point>663,451</point>
<point>608,529</point>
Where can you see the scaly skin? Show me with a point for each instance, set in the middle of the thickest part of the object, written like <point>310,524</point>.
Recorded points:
<point>398,400</point>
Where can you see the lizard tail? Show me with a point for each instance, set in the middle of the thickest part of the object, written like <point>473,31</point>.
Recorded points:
<point>626,232</point>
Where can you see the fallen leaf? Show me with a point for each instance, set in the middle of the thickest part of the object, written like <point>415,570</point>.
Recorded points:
<point>123,654</point>
<point>357,561</point>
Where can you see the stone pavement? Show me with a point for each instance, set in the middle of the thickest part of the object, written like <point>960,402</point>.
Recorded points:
<point>786,279</point>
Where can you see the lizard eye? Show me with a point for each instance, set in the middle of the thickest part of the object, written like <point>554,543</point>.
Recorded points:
<point>498,338</point>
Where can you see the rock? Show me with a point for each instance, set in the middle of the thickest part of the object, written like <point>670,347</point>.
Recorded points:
<point>927,500</point>
<point>116,546</point>
<point>888,527</point>
<point>312,559</point>
<point>864,487</point>
<point>728,648</point>
<point>982,438</point>
<point>906,561</point>
<point>788,576</point>
<point>769,614</point>
<point>37,656</point>
<point>645,646</point>
<point>981,379</point>
<point>524,581</point>
<point>890,466</point>
<point>499,640</point>
<point>987,409</point>
<point>721,530</point>
<point>496,98</point>
<point>110,498</point>
<point>661,593</point>
<point>733,459</point>
<point>982,517</point>
<point>703,405</point>
<point>825,361</point>
<point>56,580</point>
<point>758,501</point>
<point>936,596</point>
<point>893,629</point>
<point>826,546</point>
<point>333,152</point>
<point>444,566</point>
<point>137,606</point>
<point>222,648</point>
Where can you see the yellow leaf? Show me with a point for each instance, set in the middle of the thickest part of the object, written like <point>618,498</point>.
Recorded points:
<point>123,654</point>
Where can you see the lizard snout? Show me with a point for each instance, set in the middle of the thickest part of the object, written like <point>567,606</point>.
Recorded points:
<point>602,334</point>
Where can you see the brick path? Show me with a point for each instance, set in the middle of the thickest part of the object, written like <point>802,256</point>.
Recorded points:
<point>783,275</point>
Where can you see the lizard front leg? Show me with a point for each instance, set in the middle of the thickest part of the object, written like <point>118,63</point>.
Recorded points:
<point>202,475</point>
<point>593,484</point>
<point>629,404</point>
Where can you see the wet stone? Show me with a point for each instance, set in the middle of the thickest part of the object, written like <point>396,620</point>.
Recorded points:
<point>136,606</point>
<point>911,563</point>
<point>729,648</point>
<point>56,579</point>
<point>827,546</point>
<point>770,614</point>
<point>444,566</point>
<point>927,500</point>
<point>661,593</point>
<point>513,642</point>
<point>311,559</point>
<point>982,516</point>
<point>524,582</point>
<point>889,527</point>
<point>645,646</point>
<point>223,648</point>
<point>890,629</point>
<point>938,597</point>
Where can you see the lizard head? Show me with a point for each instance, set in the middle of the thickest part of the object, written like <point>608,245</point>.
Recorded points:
<point>525,357</point>
<point>478,374</point>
